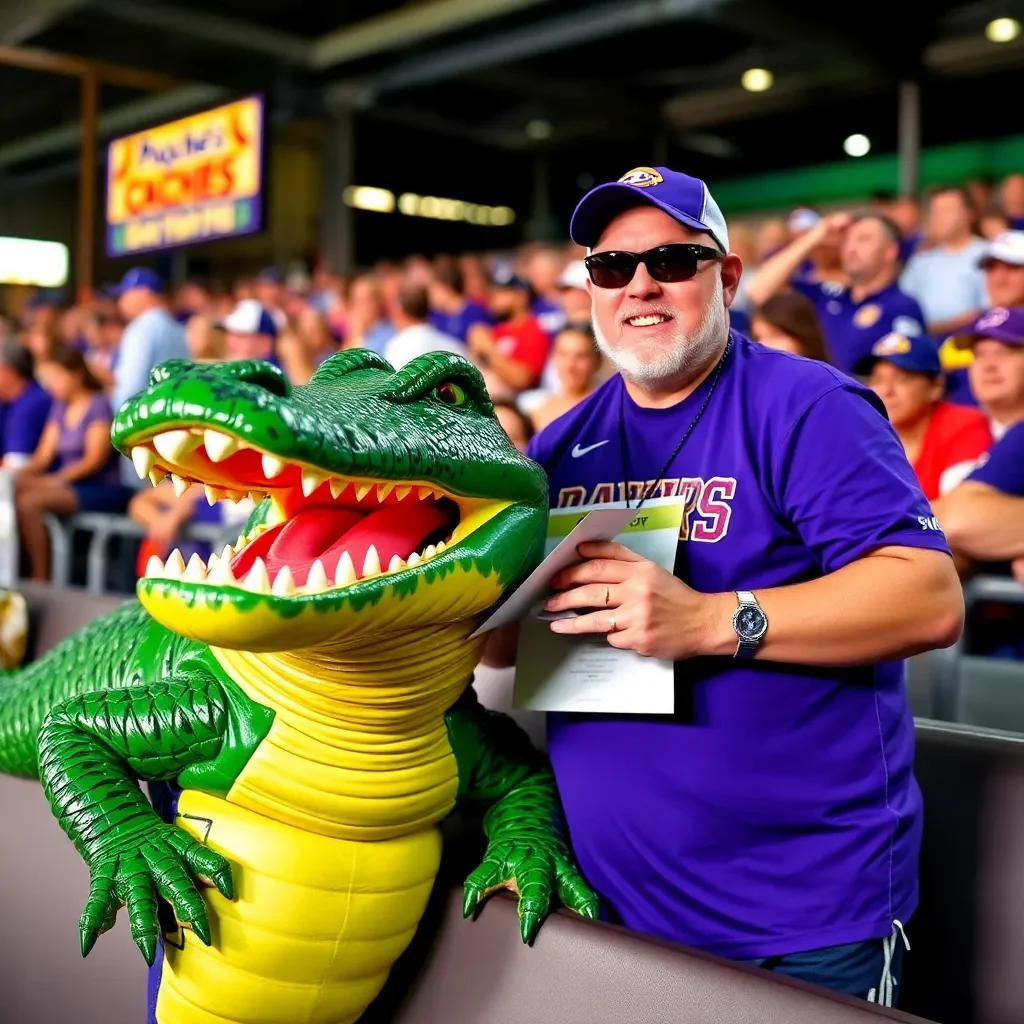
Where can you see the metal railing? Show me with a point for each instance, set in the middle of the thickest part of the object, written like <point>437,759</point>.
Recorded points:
<point>947,665</point>
<point>103,527</point>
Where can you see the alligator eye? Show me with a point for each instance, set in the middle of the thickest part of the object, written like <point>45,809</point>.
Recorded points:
<point>451,394</point>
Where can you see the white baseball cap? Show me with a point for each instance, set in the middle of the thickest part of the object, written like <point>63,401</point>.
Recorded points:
<point>574,276</point>
<point>250,317</point>
<point>1006,247</point>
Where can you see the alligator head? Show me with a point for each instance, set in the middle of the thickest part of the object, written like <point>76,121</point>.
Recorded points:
<point>388,500</point>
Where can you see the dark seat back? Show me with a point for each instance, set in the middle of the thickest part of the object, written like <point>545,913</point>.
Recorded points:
<point>968,935</point>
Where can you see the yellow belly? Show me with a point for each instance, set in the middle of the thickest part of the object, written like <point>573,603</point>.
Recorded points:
<point>315,927</point>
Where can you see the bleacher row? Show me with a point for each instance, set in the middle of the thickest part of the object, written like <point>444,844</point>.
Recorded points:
<point>99,530</point>
<point>967,937</point>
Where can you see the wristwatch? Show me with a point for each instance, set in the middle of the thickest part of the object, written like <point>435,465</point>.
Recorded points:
<point>750,623</point>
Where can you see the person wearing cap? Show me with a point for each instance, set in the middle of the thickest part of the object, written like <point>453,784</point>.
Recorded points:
<point>511,355</point>
<point>573,293</point>
<point>151,335</point>
<point>943,441</point>
<point>250,332</point>
<point>869,306</point>
<point>774,817</point>
<point>995,342</point>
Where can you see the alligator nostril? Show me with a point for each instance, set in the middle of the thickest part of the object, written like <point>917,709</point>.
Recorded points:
<point>266,376</point>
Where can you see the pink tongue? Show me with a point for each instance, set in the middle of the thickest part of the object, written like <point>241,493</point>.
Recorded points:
<point>325,533</point>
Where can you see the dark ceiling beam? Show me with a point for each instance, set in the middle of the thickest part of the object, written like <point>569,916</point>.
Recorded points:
<point>231,33</point>
<point>77,67</point>
<point>549,35</point>
<point>407,26</point>
<point>21,20</point>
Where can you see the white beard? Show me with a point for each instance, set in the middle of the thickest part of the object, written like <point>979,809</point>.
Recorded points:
<point>682,358</point>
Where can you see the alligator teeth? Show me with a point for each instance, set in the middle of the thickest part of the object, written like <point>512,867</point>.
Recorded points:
<point>414,559</point>
<point>338,487</point>
<point>220,574</point>
<point>397,562</point>
<point>175,567</point>
<point>257,496</point>
<point>227,554</point>
<point>258,580</point>
<point>144,459</point>
<point>383,490</point>
<point>180,486</point>
<point>155,566</point>
<point>403,491</point>
<point>214,494</point>
<point>174,445</point>
<point>362,490</point>
<point>429,551</point>
<point>345,574</point>
<point>311,480</point>
<point>284,583</point>
<point>237,496</point>
<point>219,446</point>
<point>155,477</point>
<point>273,466</point>
<point>440,546</point>
<point>425,492</point>
<point>316,581</point>
<point>196,570</point>
<point>371,564</point>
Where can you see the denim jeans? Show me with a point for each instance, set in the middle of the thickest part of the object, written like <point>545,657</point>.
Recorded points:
<point>870,970</point>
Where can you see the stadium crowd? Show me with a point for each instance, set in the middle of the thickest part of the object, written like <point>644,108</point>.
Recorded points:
<point>922,299</point>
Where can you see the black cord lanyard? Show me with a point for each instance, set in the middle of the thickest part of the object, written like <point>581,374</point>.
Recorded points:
<point>650,489</point>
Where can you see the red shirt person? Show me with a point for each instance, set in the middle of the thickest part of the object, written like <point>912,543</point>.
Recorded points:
<point>943,441</point>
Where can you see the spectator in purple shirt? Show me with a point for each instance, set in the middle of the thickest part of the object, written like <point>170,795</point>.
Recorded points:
<point>451,312</point>
<point>26,406</point>
<point>74,468</point>
<point>774,817</point>
<point>871,304</point>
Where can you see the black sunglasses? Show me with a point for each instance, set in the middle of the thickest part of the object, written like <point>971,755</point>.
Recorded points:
<point>666,264</point>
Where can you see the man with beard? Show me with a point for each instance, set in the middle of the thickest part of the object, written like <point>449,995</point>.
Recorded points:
<point>774,818</point>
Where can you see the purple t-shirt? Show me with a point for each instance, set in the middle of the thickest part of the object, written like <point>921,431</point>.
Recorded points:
<point>457,325</point>
<point>1002,467</point>
<point>71,446</point>
<point>851,328</point>
<point>25,419</point>
<point>776,811</point>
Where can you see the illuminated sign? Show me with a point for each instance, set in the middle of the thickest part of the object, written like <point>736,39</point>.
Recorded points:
<point>192,180</point>
<point>380,200</point>
<point>27,261</point>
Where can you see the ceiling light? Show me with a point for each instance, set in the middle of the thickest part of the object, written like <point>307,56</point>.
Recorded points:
<point>366,197</point>
<point>857,145</point>
<point>1002,30</point>
<point>757,80</point>
<point>539,129</point>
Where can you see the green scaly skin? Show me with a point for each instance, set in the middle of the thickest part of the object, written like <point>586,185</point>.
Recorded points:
<point>129,698</point>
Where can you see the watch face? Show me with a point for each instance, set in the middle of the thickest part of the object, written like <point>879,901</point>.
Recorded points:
<point>750,622</point>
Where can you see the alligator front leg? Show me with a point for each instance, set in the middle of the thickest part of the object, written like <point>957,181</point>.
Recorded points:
<point>92,750</point>
<point>527,849</point>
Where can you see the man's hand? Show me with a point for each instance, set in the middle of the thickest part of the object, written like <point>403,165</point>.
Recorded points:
<point>641,606</point>
<point>165,527</point>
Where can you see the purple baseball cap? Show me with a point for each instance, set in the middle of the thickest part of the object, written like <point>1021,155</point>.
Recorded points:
<point>915,355</point>
<point>1001,323</point>
<point>685,199</point>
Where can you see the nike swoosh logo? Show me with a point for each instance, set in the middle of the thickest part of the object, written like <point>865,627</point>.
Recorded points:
<point>578,451</point>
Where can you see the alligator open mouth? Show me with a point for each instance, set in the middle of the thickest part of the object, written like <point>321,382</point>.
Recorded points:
<point>324,531</point>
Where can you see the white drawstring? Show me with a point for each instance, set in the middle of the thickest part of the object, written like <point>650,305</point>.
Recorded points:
<point>883,995</point>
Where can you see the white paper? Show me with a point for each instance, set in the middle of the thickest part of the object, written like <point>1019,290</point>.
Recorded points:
<point>583,672</point>
<point>601,523</point>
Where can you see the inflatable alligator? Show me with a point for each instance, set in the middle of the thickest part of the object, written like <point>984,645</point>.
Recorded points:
<point>304,695</point>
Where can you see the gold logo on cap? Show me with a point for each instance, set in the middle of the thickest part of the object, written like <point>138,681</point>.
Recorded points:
<point>642,177</point>
<point>891,345</point>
